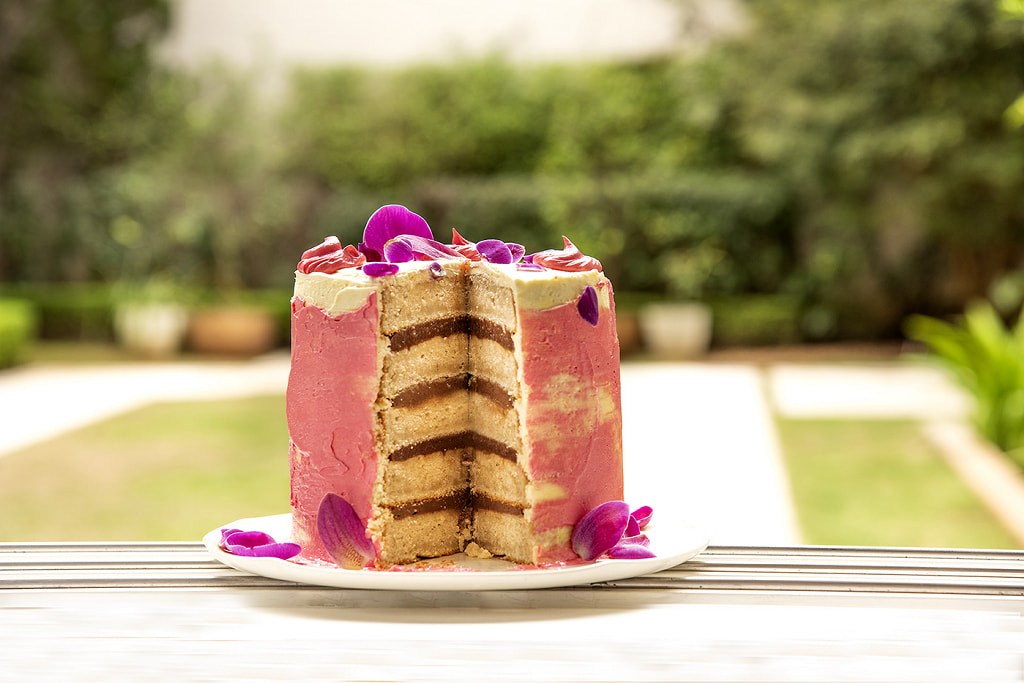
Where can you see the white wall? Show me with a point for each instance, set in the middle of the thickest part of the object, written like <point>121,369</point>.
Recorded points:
<point>270,36</point>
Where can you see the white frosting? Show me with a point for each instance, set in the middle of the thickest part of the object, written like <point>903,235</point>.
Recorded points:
<point>348,289</point>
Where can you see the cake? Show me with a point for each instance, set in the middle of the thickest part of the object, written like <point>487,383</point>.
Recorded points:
<point>459,397</point>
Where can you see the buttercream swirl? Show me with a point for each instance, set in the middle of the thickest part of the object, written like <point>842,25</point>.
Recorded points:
<point>570,259</point>
<point>330,257</point>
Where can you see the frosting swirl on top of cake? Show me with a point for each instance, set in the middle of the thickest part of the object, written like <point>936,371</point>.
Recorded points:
<point>570,259</point>
<point>330,257</point>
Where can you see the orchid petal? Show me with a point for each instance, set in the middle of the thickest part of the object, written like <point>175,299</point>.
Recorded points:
<point>522,265</point>
<point>588,306</point>
<point>378,269</point>
<point>517,250</point>
<point>342,533</point>
<point>390,221</point>
<point>399,250</point>
<point>242,542</point>
<point>600,529</point>
<point>411,247</point>
<point>639,539</point>
<point>436,270</point>
<point>224,533</point>
<point>282,551</point>
<point>630,551</point>
<point>494,251</point>
<point>642,515</point>
<point>371,255</point>
<point>256,544</point>
<point>632,527</point>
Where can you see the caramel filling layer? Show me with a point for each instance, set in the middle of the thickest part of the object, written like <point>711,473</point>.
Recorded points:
<point>465,439</point>
<point>455,501</point>
<point>418,393</point>
<point>446,327</point>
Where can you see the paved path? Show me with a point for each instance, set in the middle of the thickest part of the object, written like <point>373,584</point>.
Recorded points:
<point>714,421</point>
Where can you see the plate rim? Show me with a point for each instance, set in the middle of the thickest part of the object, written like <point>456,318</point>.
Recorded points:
<point>598,571</point>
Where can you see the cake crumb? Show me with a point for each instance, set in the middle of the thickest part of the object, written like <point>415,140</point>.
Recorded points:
<point>474,550</point>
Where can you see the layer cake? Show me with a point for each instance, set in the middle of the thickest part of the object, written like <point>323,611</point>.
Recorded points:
<point>457,404</point>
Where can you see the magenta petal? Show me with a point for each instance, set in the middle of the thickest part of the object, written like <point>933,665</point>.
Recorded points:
<point>639,539</point>
<point>642,515</point>
<point>389,222</point>
<point>436,270</point>
<point>630,551</point>
<point>225,533</point>
<point>342,533</point>
<point>632,527</point>
<point>370,254</point>
<point>600,529</point>
<point>411,247</point>
<point>494,251</point>
<point>517,251</point>
<point>281,551</point>
<point>588,307</point>
<point>378,269</point>
<point>529,266</point>
<point>399,250</point>
<point>246,540</point>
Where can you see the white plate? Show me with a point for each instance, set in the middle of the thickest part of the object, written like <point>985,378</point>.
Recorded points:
<point>673,540</point>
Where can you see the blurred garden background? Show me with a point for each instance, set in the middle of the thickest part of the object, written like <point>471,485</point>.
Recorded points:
<point>812,174</point>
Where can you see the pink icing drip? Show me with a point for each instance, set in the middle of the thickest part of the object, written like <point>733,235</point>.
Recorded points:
<point>574,443</point>
<point>331,390</point>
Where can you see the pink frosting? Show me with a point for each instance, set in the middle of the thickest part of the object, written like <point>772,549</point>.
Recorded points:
<point>570,259</point>
<point>330,420</point>
<point>464,246</point>
<point>330,257</point>
<point>574,443</point>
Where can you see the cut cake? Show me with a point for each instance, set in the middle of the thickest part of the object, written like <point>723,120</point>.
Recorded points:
<point>455,403</point>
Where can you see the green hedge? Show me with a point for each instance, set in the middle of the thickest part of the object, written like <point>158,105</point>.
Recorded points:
<point>81,312</point>
<point>757,320</point>
<point>17,330</point>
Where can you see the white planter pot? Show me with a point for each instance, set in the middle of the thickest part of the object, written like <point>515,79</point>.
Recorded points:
<point>151,330</point>
<point>679,330</point>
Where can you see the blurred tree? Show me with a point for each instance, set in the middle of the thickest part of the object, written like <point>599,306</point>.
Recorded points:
<point>69,72</point>
<point>887,120</point>
<point>1013,10</point>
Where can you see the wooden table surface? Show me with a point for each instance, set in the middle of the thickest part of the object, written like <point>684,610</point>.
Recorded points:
<point>167,611</point>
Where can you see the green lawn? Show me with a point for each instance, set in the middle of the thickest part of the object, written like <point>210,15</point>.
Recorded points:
<point>879,482</point>
<point>175,471</point>
<point>165,472</point>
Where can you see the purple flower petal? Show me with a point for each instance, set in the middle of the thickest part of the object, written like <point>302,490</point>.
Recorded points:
<point>224,533</point>
<point>517,250</point>
<point>632,527</point>
<point>378,269</point>
<point>639,539</point>
<point>600,529</point>
<point>342,533</point>
<point>411,247</point>
<point>588,307</point>
<point>494,251</point>
<point>630,551</point>
<point>256,544</point>
<point>642,515</point>
<point>399,250</point>
<point>390,221</point>
<point>371,255</point>
<point>242,542</point>
<point>436,270</point>
<point>529,266</point>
